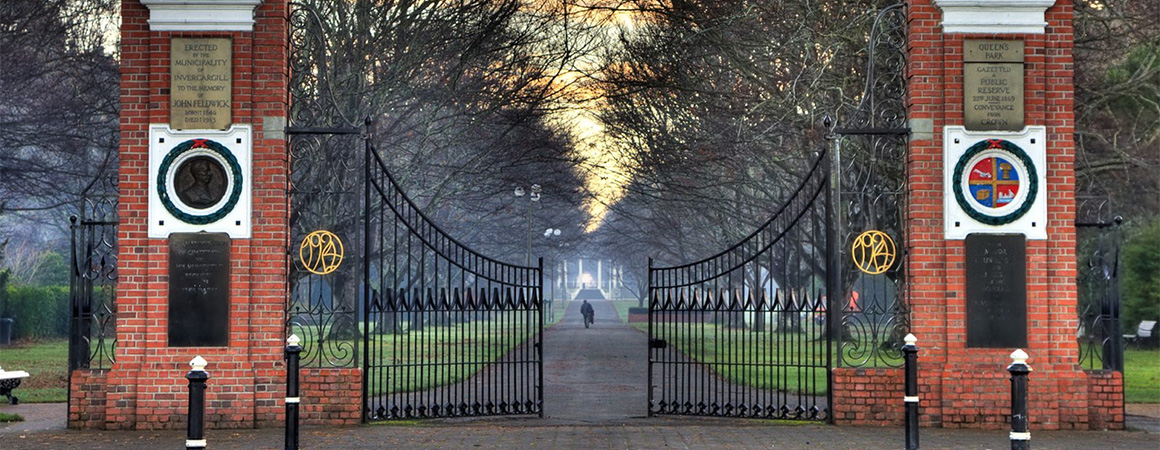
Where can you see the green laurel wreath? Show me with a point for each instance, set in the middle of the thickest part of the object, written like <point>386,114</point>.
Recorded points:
<point>235,171</point>
<point>1014,151</point>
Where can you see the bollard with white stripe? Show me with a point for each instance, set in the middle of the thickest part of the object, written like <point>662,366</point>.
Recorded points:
<point>910,354</point>
<point>197,376</point>
<point>1020,435</point>
<point>293,352</point>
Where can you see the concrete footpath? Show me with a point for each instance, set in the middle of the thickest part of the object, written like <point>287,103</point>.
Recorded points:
<point>594,398</point>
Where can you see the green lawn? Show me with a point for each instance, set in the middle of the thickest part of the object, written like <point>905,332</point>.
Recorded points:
<point>47,365</point>
<point>622,309</point>
<point>1141,375</point>
<point>443,355</point>
<point>437,355</point>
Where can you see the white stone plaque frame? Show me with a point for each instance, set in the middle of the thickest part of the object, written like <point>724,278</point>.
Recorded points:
<point>957,222</point>
<point>238,142</point>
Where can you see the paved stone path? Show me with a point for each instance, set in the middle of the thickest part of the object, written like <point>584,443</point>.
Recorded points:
<point>594,398</point>
<point>594,375</point>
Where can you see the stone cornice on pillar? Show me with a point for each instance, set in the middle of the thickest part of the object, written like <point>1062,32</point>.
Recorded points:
<point>201,15</point>
<point>994,16</point>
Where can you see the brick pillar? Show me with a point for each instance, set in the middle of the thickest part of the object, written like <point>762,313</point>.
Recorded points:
<point>145,387</point>
<point>966,386</point>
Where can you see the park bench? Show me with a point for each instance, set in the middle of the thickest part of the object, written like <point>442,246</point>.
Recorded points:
<point>9,381</point>
<point>1144,332</point>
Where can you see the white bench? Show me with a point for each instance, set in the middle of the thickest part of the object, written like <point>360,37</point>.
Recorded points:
<point>1143,332</point>
<point>9,381</point>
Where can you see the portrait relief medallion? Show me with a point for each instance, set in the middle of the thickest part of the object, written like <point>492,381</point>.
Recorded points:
<point>199,181</point>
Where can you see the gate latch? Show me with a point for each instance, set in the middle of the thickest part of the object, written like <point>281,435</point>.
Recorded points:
<point>657,343</point>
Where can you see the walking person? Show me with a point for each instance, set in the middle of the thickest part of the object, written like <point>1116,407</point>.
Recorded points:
<point>588,313</point>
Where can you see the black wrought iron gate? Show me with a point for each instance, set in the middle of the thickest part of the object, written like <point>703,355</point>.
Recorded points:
<point>744,333</point>
<point>755,330</point>
<point>449,332</point>
<point>439,329</point>
<point>1099,239</point>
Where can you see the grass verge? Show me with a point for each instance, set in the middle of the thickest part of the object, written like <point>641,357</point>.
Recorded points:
<point>9,417</point>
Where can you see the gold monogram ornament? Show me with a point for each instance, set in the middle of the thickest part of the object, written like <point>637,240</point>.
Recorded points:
<point>321,252</point>
<point>873,252</point>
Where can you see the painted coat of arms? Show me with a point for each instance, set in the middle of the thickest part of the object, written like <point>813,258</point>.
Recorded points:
<point>995,182</point>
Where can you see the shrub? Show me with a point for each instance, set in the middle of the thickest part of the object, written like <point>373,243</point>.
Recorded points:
<point>1142,277</point>
<point>40,311</point>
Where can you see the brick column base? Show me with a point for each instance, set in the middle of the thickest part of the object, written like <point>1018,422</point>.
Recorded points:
<point>980,397</point>
<point>329,397</point>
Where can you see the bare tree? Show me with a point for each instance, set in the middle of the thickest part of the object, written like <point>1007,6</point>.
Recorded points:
<point>58,101</point>
<point>716,108</point>
<point>1117,104</point>
<point>462,96</point>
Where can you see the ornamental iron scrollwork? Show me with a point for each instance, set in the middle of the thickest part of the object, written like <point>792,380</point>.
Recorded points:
<point>870,163</point>
<point>874,252</point>
<point>93,278</point>
<point>321,252</point>
<point>1099,239</point>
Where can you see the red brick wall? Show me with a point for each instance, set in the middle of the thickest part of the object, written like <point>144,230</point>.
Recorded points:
<point>1106,400</point>
<point>146,388</point>
<point>87,397</point>
<point>868,396</point>
<point>972,386</point>
<point>331,396</point>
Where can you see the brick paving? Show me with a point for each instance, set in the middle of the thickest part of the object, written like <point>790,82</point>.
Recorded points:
<point>595,399</point>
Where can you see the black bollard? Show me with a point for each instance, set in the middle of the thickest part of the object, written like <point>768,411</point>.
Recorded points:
<point>197,376</point>
<point>292,354</point>
<point>910,351</point>
<point>1020,436</point>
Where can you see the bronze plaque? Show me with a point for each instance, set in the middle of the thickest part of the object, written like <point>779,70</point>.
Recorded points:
<point>200,83</point>
<point>201,182</point>
<point>996,290</point>
<point>993,85</point>
<point>199,289</point>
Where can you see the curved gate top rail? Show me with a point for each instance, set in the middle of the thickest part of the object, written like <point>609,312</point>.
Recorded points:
<point>439,241</point>
<point>767,234</point>
<point>743,333</point>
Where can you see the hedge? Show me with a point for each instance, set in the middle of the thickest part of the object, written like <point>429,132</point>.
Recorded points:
<point>40,311</point>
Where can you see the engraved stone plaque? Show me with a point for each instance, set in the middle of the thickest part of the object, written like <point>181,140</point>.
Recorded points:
<point>199,289</point>
<point>993,85</point>
<point>200,83</point>
<point>996,269</point>
<point>992,51</point>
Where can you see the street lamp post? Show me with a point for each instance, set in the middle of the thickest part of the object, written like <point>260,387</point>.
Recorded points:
<point>535,197</point>
<point>548,233</point>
